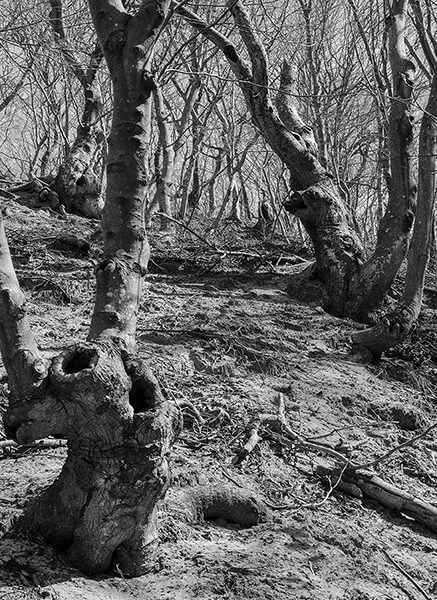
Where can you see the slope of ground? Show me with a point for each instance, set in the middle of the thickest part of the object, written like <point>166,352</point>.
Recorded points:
<point>225,341</point>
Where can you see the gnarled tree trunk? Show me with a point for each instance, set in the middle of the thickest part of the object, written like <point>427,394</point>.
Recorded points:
<point>99,394</point>
<point>352,286</point>
<point>378,273</point>
<point>396,326</point>
<point>78,182</point>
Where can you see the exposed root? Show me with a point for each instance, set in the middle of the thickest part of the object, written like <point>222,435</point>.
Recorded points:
<point>232,504</point>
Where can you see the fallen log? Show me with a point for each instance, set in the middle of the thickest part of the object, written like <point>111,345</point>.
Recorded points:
<point>45,443</point>
<point>362,483</point>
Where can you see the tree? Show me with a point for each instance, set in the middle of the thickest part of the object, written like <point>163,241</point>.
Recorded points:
<point>78,181</point>
<point>99,394</point>
<point>353,285</point>
<point>397,325</point>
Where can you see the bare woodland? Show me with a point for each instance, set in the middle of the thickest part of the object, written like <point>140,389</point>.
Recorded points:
<point>288,142</point>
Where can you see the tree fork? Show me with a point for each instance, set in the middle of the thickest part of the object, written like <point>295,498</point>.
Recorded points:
<point>99,395</point>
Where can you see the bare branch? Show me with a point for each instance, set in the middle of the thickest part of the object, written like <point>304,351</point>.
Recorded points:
<point>255,48</point>
<point>57,23</point>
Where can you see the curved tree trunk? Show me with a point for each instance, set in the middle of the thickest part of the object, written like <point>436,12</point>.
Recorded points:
<point>396,326</point>
<point>99,395</point>
<point>315,200</point>
<point>378,273</point>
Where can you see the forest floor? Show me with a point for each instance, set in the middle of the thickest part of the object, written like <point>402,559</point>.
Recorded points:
<point>221,333</point>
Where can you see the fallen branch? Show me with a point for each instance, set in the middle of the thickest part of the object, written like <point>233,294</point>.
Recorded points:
<point>384,457</point>
<point>350,477</point>
<point>248,447</point>
<point>212,246</point>
<point>278,424</point>
<point>45,443</point>
<point>8,194</point>
<point>359,483</point>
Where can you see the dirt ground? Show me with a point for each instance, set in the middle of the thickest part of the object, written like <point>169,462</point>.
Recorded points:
<point>223,335</point>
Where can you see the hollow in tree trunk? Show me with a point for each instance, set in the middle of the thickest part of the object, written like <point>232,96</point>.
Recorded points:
<point>99,394</point>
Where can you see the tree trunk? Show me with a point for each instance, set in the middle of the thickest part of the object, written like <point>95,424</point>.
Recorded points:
<point>396,326</point>
<point>315,200</point>
<point>164,175</point>
<point>78,182</point>
<point>378,273</point>
<point>101,508</point>
<point>99,395</point>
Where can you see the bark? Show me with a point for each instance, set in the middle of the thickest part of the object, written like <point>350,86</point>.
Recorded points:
<point>352,287</point>
<point>78,182</point>
<point>164,179</point>
<point>101,508</point>
<point>361,483</point>
<point>315,201</point>
<point>24,365</point>
<point>396,326</point>
<point>211,184</point>
<point>314,68</point>
<point>99,395</point>
<point>190,183</point>
<point>378,273</point>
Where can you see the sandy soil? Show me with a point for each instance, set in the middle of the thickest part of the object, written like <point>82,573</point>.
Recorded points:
<point>229,341</point>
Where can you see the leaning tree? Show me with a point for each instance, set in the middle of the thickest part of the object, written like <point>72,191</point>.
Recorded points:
<point>353,285</point>
<point>99,394</point>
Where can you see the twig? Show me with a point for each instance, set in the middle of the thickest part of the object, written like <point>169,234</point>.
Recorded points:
<point>199,237</point>
<point>248,447</point>
<point>407,575</point>
<point>382,458</point>
<point>191,408</point>
<point>212,246</point>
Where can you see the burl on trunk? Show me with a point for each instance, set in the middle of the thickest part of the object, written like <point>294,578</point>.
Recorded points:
<point>99,394</point>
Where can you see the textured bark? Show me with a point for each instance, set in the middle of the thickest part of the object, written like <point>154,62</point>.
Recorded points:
<point>99,395</point>
<point>396,326</point>
<point>378,273</point>
<point>314,69</point>
<point>24,365</point>
<point>361,483</point>
<point>78,182</point>
<point>101,508</point>
<point>316,200</point>
<point>128,46</point>
<point>190,184</point>
<point>353,287</point>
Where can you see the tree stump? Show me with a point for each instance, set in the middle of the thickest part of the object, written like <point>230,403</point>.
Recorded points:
<point>101,510</point>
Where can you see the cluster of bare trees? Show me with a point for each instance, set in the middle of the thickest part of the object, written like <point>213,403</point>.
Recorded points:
<point>325,110</point>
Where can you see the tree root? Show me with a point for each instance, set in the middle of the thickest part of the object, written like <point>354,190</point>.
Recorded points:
<point>205,503</point>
